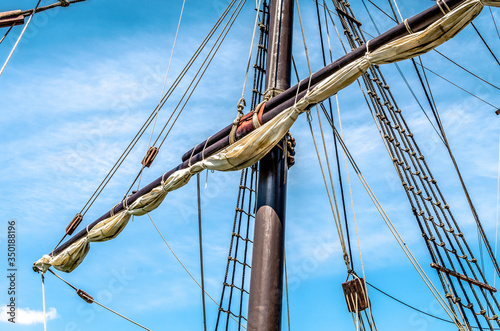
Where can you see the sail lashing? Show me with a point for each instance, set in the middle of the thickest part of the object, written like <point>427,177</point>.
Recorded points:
<point>252,147</point>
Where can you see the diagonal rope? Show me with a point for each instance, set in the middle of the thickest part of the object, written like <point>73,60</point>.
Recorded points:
<point>182,265</point>
<point>19,39</point>
<point>93,301</point>
<point>168,71</point>
<point>164,99</point>
<point>397,236</point>
<point>485,43</point>
<point>472,94</point>
<point>6,34</point>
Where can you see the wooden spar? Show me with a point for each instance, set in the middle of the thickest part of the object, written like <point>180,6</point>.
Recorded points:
<point>463,277</point>
<point>417,23</point>
<point>11,18</point>
<point>266,279</point>
<point>275,106</point>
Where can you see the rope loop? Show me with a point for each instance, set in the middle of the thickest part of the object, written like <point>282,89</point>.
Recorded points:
<point>441,8</point>
<point>271,93</point>
<point>309,116</point>
<point>408,27</point>
<point>205,147</point>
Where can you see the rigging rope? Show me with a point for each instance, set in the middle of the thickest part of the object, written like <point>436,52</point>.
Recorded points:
<point>6,34</point>
<point>339,173</point>
<point>397,236</point>
<point>495,274</point>
<point>43,299</point>
<point>201,252</point>
<point>335,210</point>
<point>494,22</point>
<point>286,291</point>
<point>456,85</point>
<point>19,38</point>
<point>91,300</point>
<point>353,210</point>
<point>484,42</point>
<point>151,117</point>
<point>166,75</point>
<point>468,71</point>
<point>178,260</point>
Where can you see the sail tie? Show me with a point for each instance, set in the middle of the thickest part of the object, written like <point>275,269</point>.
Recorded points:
<point>441,8</point>
<point>408,27</point>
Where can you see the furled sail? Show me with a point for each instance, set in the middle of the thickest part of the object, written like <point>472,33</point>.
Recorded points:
<point>255,145</point>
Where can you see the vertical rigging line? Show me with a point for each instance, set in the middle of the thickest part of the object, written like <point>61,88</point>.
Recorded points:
<point>201,252</point>
<point>286,290</point>
<point>20,37</point>
<point>182,265</point>
<point>339,173</point>
<point>354,213</point>
<point>43,298</point>
<point>251,46</point>
<point>498,201</point>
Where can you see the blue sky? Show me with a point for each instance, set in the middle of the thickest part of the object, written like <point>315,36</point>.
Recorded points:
<point>83,80</point>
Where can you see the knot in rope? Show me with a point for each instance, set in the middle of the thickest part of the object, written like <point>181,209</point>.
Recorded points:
<point>272,92</point>
<point>241,105</point>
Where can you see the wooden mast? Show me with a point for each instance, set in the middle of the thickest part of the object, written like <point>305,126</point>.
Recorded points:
<point>266,281</point>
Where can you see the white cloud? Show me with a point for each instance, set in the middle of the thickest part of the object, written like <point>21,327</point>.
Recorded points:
<point>26,316</point>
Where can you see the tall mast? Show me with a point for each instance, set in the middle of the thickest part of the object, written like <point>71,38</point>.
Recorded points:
<point>266,281</point>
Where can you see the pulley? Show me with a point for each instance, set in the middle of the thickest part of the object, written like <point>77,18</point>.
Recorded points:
<point>150,156</point>
<point>74,224</point>
<point>355,295</point>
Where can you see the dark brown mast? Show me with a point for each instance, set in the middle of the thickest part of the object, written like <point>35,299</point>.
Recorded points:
<point>266,282</point>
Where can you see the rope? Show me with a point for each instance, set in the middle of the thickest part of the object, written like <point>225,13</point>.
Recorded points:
<point>201,71</point>
<point>416,309</point>
<point>286,291</point>
<point>6,34</point>
<point>180,262</point>
<point>43,299</point>
<point>468,71</point>
<point>201,253</point>
<point>335,210</point>
<point>251,48</point>
<point>166,75</point>
<point>149,120</point>
<point>398,67</point>
<point>19,39</point>
<point>472,94</point>
<point>397,236</point>
<point>103,306</point>
<point>485,43</point>
<point>497,214</point>
<point>494,22</point>
<point>353,212</point>
<point>337,222</point>
<point>397,8</point>
<point>339,173</point>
